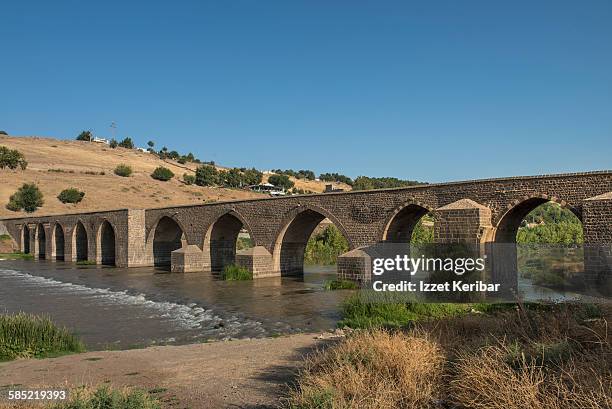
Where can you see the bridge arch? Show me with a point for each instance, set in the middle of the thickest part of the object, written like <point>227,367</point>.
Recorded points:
<point>296,228</point>
<point>106,243</point>
<point>166,235</point>
<point>508,222</point>
<point>80,242</point>
<point>220,240</point>
<point>58,242</point>
<point>41,242</point>
<point>25,239</point>
<point>402,221</point>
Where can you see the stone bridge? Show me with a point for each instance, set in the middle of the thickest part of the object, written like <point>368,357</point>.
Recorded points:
<point>203,237</point>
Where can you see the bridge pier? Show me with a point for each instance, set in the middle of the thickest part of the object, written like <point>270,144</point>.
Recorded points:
<point>187,259</point>
<point>596,216</point>
<point>257,260</point>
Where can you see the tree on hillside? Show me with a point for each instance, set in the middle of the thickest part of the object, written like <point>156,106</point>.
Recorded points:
<point>281,181</point>
<point>151,144</point>
<point>127,143</point>
<point>12,158</point>
<point>335,177</point>
<point>85,136</point>
<point>252,176</point>
<point>113,143</point>
<point>206,175</point>
<point>28,197</point>
<point>232,178</point>
<point>3,133</point>
<point>368,183</point>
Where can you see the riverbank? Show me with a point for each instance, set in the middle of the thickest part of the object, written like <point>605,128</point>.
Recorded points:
<point>242,373</point>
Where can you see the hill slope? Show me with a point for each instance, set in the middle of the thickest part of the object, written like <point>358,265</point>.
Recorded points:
<point>55,165</point>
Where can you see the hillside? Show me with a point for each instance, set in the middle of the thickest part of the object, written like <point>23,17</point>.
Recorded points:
<point>55,165</point>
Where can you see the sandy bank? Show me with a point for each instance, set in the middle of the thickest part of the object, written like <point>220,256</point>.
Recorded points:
<point>244,373</point>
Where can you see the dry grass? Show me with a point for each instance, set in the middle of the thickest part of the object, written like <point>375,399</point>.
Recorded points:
<point>548,357</point>
<point>87,397</point>
<point>372,370</point>
<point>494,379</point>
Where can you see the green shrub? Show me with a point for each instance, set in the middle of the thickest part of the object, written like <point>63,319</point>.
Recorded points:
<point>12,159</point>
<point>123,170</point>
<point>162,173</point>
<point>206,175</point>
<point>71,195</point>
<point>86,263</point>
<point>28,197</point>
<point>106,398</point>
<point>113,143</point>
<point>188,179</point>
<point>340,285</point>
<point>367,310</point>
<point>236,273</point>
<point>30,336</point>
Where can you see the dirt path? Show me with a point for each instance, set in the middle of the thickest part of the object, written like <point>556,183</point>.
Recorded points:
<point>244,374</point>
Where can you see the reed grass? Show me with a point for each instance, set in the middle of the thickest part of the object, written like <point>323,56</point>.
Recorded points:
<point>16,256</point>
<point>341,285</point>
<point>233,272</point>
<point>30,336</point>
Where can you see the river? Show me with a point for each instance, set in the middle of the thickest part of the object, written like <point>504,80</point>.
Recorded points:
<point>113,308</point>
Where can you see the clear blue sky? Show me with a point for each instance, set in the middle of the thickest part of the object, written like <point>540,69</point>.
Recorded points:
<point>429,90</point>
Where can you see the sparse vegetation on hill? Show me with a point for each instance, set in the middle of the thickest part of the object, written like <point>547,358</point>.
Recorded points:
<point>162,173</point>
<point>369,183</point>
<point>300,174</point>
<point>28,197</point>
<point>71,195</point>
<point>336,177</point>
<point>88,164</point>
<point>12,159</point>
<point>123,170</point>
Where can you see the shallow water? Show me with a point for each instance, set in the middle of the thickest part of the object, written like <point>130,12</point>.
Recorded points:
<point>119,308</point>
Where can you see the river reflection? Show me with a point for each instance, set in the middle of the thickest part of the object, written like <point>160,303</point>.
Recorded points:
<point>114,307</point>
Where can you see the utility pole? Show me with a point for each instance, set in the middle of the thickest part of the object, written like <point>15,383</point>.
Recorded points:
<point>113,126</point>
